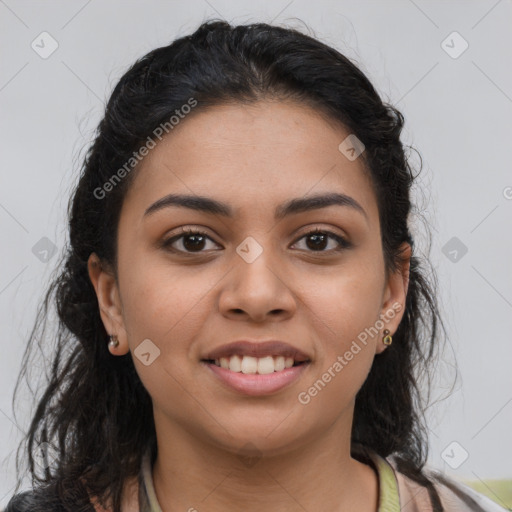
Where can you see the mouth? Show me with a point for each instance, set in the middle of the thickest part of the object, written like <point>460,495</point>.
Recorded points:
<point>257,368</point>
<point>253,383</point>
<point>261,358</point>
<point>255,365</point>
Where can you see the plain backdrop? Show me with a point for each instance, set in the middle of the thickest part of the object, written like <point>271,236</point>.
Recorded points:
<point>446,65</point>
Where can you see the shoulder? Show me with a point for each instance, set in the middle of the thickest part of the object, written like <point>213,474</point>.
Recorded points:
<point>48,499</point>
<point>53,498</point>
<point>455,496</point>
<point>456,492</point>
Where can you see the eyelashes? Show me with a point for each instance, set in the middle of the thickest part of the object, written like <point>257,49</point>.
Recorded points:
<point>190,233</point>
<point>342,242</point>
<point>186,233</point>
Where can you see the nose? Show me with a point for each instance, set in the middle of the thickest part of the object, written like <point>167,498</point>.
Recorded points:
<point>257,290</point>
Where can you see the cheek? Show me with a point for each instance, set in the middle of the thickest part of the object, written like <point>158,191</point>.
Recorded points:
<point>344,307</point>
<point>156,308</point>
<point>162,303</point>
<point>343,315</point>
<point>346,302</point>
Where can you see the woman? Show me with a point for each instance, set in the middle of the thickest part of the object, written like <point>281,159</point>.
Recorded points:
<point>242,312</point>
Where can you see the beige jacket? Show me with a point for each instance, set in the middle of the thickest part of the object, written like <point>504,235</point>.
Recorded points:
<point>455,496</point>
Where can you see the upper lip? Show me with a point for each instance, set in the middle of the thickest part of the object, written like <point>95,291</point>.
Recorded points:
<point>257,349</point>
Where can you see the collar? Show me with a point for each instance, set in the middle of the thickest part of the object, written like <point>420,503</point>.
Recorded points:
<point>389,498</point>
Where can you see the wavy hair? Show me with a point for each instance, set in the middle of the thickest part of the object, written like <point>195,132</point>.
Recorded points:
<point>86,412</point>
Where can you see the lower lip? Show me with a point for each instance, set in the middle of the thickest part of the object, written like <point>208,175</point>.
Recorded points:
<point>255,384</point>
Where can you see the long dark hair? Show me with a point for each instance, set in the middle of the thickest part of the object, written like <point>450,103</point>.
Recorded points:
<point>86,412</point>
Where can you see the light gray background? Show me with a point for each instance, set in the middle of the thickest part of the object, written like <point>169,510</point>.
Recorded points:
<point>457,112</point>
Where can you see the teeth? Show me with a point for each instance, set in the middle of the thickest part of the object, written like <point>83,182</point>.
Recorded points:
<point>266,365</point>
<point>234,363</point>
<point>249,364</point>
<point>253,365</point>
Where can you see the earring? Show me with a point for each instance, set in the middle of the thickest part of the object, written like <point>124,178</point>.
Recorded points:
<point>387,338</point>
<point>114,342</point>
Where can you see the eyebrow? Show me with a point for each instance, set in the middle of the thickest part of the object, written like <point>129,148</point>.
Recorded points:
<point>293,206</point>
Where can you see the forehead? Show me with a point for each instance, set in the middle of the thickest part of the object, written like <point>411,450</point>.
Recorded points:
<point>261,153</point>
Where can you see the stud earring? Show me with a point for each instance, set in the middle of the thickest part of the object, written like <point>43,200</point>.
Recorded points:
<point>114,342</point>
<point>387,339</point>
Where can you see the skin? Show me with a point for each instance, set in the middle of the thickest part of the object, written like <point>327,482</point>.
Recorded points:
<point>253,157</point>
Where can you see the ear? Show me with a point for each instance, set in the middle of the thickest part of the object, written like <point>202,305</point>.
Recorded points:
<point>107,292</point>
<point>394,296</point>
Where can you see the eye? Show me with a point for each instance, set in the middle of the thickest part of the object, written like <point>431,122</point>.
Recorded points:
<point>319,238</point>
<point>194,241</point>
<point>191,240</point>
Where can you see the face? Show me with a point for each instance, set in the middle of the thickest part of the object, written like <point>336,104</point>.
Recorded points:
<point>251,275</point>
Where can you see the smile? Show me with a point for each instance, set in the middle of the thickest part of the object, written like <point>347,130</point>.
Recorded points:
<point>245,377</point>
<point>256,365</point>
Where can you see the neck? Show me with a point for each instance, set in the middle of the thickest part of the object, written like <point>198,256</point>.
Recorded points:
<point>316,474</point>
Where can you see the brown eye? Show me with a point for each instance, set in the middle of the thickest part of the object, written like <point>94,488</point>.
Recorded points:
<point>191,241</point>
<point>317,241</point>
